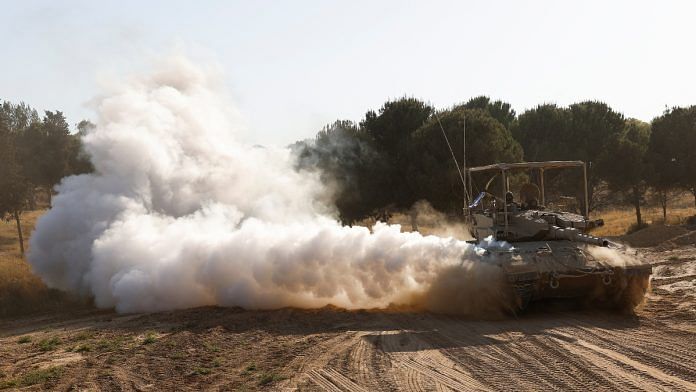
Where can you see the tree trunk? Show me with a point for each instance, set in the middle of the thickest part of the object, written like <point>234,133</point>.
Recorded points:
<point>663,203</point>
<point>50,195</point>
<point>636,202</point>
<point>32,198</point>
<point>19,232</point>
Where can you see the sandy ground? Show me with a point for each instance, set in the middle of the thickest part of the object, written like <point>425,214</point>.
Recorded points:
<point>335,350</point>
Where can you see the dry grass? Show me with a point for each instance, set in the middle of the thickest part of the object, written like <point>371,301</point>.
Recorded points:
<point>22,292</point>
<point>618,221</point>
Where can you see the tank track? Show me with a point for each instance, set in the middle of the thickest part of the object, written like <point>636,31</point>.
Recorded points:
<point>523,286</point>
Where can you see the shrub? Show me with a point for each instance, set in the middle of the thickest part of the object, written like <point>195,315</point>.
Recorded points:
<point>49,344</point>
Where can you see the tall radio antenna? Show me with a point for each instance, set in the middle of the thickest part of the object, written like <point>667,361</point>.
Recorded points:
<point>466,191</point>
<point>454,158</point>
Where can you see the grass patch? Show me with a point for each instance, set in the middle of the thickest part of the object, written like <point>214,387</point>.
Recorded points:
<point>24,339</point>
<point>112,344</point>
<point>83,348</point>
<point>38,376</point>
<point>635,227</point>
<point>150,338</point>
<point>177,356</point>
<point>249,369</point>
<point>202,370</point>
<point>211,347</point>
<point>49,344</point>
<point>267,378</point>
<point>618,221</point>
<point>21,291</point>
<point>83,336</point>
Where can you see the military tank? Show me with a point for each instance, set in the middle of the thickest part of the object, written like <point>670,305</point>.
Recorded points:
<point>546,252</point>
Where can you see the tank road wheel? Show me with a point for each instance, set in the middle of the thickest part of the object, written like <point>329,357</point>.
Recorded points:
<point>523,291</point>
<point>633,293</point>
<point>626,290</point>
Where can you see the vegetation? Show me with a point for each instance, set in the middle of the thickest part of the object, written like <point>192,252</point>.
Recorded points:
<point>21,291</point>
<point>49,344</point>
<point>35,154</point>
<point>24,339</point>
<point>200,370</point>
<point>249,369</point>
<point>150,337</point>
<point>396,155</point>
<point>267,378</point>
<point>38,376</point>
<point>672,145</point>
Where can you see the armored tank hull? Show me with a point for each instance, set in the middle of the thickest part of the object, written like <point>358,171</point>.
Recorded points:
<point>538,270</point>
<point>546,251</point>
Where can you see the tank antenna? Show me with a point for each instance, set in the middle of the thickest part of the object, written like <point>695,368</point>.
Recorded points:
<point>466,190</point>
<point>454,158</point>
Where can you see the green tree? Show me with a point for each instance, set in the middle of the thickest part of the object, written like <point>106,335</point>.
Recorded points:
<point>18,117</point>
<point>78,160</point>
<point>499,110</point>
<point>672,146</point>
<point>352,168</point>
<point>14,188</point>
<point>626,168</point>
<point>395,122</point>
<point>45,149</point>
<point>432,174</point>
<point>541,132</point>
<point>579,132</point>
<point>389,135</point>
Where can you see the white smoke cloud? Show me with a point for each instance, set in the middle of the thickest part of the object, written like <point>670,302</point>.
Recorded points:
<point>179,213</point>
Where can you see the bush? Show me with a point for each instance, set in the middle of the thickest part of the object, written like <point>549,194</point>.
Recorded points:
<point>267,378</point>
<point>150,338</point>
<point>38,376</point>
<point>49,344</point>
<point>691,221</point>
<point>635,227</point>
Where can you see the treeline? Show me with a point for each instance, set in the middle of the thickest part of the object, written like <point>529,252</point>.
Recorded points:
<point>398,155</point>
<point>36,152</point>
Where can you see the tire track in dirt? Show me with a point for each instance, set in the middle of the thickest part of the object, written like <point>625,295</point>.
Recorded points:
<point>333,381</point>
<point>486,360</point>
<point>641,374</point>
<point>666,356</point>
<point>550,362</point>
<point>530,363</point>
<point>658,343</point>
<point>404,376</point>
<point>316,357</point>
<point>561,341</point>
<point>427,358</point>
<point>364,364</point>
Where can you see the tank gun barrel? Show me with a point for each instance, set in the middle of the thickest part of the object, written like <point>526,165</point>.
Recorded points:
<point>571,234</point>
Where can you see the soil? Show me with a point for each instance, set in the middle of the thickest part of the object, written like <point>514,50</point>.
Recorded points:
<point>551,347</point>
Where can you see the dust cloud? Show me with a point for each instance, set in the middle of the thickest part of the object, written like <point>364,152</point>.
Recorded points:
<point>431,221</point>
<point>180,213</point>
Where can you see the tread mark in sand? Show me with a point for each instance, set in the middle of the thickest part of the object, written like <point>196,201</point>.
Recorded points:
<point>617,362</point>
<point>333,381</point>
<point>448,377</point>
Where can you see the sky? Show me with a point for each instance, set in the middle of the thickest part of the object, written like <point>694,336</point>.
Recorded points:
<point>293,66</point>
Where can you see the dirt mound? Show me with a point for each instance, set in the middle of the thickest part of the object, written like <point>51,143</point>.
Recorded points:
<point>653,235</point>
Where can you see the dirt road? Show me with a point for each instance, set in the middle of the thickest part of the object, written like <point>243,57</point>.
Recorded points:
<point>336,350</point>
